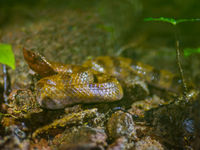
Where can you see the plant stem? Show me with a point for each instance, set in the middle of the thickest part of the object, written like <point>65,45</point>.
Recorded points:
<point>6,80</point>
<point>178,58</point>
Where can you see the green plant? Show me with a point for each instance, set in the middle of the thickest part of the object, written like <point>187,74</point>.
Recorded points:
<point>6,58</point>
<point>174,22</point>
<point>6,55</point>
<point>171,20</point>
<point>189,51</point>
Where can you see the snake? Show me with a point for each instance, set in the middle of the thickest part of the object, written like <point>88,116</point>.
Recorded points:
<point>63,85</point>
<point>96,80</point>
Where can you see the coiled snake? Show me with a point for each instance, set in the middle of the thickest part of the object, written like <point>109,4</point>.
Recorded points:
<point>95,81</point>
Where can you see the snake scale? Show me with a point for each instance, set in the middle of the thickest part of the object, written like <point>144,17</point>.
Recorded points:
<point>95,81</point>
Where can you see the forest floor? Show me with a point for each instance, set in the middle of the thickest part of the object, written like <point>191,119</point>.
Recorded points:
<point>155,120</point>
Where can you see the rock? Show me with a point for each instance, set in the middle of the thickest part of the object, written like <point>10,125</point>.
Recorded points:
<point>148,143</point>
<point>81,138</point>
<point>120,124</point>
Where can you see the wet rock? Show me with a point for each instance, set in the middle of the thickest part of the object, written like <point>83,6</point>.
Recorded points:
<point>40,145</point>
<point>120,124</point>
<point>22,103</point>
<point>148,143</point>
<point>81,138</point>
<point>121,144</point>
<point>74,119</point>
<point>80,147</point>
<point>17,132</point>
<point>140,107</point>
<point>175,124</point>
<point>8,142</point>
<point>15,139</point>
<point>134,84</point>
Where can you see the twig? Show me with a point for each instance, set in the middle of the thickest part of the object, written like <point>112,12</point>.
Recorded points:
<point>178,58</point>
<point>6,83</point>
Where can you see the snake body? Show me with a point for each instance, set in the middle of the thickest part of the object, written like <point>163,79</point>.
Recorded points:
<point>64,85</point>
<point>123,68</point>
<point>61,90</point>
<point>95,81</point>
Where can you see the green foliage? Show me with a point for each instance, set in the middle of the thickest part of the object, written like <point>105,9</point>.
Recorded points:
<point>174,22</point>
<point>6,55</point>
<point>189,51</point>
<point>171,20</point>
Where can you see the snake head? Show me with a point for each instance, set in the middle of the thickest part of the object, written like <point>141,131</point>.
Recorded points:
<point>38,63</point>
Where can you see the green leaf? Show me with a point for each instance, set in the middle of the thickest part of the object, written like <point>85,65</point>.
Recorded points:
<point>6,55</point>
<point>171,20</point>
<point>189,51</point>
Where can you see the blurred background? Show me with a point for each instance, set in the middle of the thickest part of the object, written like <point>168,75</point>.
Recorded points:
<point>114,27</point>
<point>124,18</point>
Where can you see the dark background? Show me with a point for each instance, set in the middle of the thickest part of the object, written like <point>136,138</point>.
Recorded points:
<point>125,17</point>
